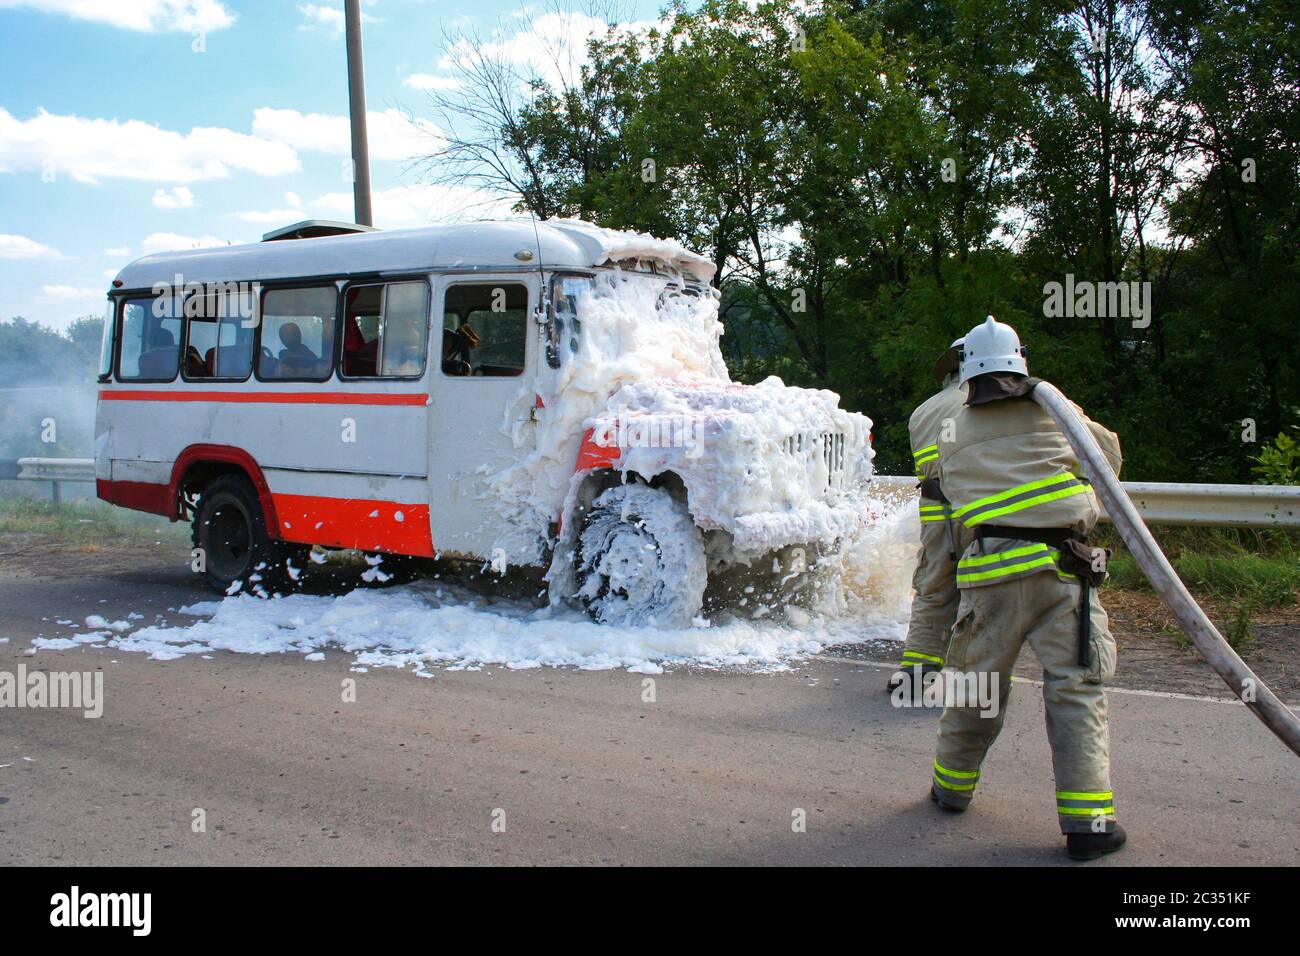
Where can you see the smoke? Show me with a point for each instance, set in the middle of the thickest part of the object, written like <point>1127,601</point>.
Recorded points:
<point>47,390</point>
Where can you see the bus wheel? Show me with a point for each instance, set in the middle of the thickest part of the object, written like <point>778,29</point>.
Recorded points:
<point>230,533</point>
<point>641,559</point>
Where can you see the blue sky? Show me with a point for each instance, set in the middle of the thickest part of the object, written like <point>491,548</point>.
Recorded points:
<point>132,126</point>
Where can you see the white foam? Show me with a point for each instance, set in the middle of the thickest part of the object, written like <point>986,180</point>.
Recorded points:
<point>648,351</point>
<point>430,623</point>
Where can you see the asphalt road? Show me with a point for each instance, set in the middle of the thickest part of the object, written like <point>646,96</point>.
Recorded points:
<point>575,764</point>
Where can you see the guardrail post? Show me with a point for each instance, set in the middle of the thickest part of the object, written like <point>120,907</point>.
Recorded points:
<point>54,485</point>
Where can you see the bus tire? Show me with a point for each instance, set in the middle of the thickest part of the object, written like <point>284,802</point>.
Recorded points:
<point>229,533</point>
<point>641,559</point>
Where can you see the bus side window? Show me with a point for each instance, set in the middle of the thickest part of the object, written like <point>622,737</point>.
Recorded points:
<point>406,330</point>
<point>151,333</point>
<point>485,329</point>
<point>219,335</point>
<point>386,330</point>
<point>298,334</point>
<point>361,326</point>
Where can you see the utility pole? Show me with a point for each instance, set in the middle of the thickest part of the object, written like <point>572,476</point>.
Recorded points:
<point>357,106</point>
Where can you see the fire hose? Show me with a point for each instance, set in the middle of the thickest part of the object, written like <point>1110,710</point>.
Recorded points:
<point>1245,685</point>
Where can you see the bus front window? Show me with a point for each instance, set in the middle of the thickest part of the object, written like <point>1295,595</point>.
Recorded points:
<point>106,342</point>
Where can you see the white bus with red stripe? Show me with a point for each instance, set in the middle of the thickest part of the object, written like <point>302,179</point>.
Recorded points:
<point>343,391</point>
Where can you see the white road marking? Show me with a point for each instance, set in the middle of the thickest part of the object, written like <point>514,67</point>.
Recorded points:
<point>1129,691</point>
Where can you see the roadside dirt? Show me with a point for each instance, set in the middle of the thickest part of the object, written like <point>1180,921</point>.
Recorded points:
<point>1153,654</point>
<point>31,554</point>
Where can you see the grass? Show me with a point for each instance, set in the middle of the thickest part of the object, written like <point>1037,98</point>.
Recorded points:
<point>1252,569</point>
<point>87,523</point>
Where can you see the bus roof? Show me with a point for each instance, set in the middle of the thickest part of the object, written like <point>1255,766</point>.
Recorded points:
<point>482,246</point>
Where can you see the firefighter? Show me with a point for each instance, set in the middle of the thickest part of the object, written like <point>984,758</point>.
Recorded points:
<point>934,583</point>
<point>1028,575</point>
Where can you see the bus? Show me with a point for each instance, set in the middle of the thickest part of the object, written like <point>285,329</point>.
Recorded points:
<point>462,391</point>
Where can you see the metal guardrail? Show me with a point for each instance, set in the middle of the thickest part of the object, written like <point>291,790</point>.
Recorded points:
<point>53,470</point>
<point>1159,502</point>
<point>1226,506</point>
<point>56,469</point>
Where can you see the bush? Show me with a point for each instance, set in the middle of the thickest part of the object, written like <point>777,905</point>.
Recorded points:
<point>1278,463</point>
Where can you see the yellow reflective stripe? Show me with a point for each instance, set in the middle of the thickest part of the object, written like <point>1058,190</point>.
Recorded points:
<point>961,774</point>
<point>1037,548</point>
<point>1085,795</point>
<point>1084,811</point>
<point>925,657</point>
<point>953,786</point>
<point>933,513</point>
<point>923,456</point>
<point>1027,503</point>
<point>1012,492</point>
<point>1009,569</point>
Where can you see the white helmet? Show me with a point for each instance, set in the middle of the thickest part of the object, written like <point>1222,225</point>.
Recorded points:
<point>992,347</point>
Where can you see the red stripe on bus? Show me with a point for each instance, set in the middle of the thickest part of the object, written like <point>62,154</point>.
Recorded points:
<point>269,398</point>
<point>358,523</point>
<point>137,495</point>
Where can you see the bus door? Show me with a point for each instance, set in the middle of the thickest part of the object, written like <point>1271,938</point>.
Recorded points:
<point>483,402</point>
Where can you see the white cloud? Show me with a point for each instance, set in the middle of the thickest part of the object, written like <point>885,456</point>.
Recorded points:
<point>427,81</point>
<point>331,18</point>
<point>392,134</point>
<point>269,217</point>
<point>67,303</point>
<point>292,212</point>
<point>70,293</point>
<point>118,252</point>
<point>20,247</point>
<point>92,149</point>
<point>178,197</point>
<point>406,206</point>
<point>315,15</point>
<point>172,242</point>
<point>146,16</point>
<point>552,46</point>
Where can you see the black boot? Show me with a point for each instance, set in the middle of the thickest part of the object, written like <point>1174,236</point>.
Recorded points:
<point>1089,846</point>
<point>951,804</point>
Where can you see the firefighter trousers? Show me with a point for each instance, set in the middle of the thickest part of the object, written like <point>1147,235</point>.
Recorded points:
<point>993,621</point>
<point>934,583</point>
